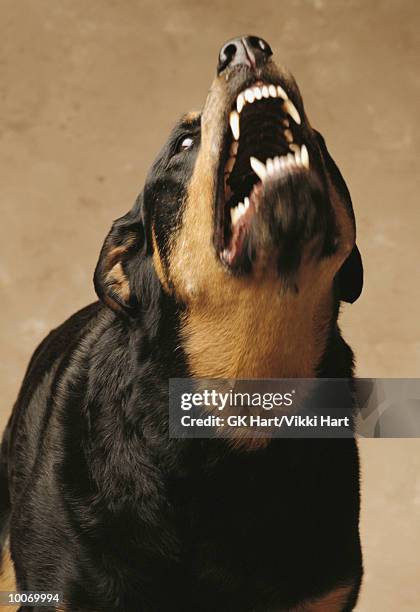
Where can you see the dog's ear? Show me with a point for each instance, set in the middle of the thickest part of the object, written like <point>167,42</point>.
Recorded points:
<point>125,276</point>
<point>350,277</point>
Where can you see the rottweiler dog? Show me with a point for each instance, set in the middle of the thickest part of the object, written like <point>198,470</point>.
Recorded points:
<point>231,264</point>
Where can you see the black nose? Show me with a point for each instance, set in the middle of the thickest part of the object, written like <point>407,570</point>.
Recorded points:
<point>250,51</point>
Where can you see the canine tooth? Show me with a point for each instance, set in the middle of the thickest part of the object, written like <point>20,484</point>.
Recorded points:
<point>257,93</point>
<point>246,203</point>
<point>272,91</point>
<point>240,102</point>
<point>304,155</point>
<point>258,167</point>
<point>249,96</point>
<point>269,165</point>
<point>234,124</point>
<point>288,135</point>
<point>290,109</point>
<point>234,214</point>
<point>229,165</point>
<point>281,93</point>
<point>265,92</point>
<point>294,147</point>
<point>234,148</point>
<point>241,208</point>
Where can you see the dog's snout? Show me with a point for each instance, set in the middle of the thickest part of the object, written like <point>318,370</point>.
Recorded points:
<point>250,51</point>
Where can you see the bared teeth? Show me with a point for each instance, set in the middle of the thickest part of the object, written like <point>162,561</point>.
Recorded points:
<point>299,159</point>
<point>249,96</point>
<point>237,212</point>
<point>234,215</point>
<point>290,109</point>
<point>281,93</point>
<point>304,155</point>
<point>240,102</point>
<point>258,167</point>
<point>234,124</point>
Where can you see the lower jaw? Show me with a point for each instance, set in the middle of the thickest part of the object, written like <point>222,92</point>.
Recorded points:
<point>257,235</point>
<point>285,216</point>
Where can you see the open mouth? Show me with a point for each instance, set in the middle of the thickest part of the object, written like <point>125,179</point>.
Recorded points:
<point>264,148</point>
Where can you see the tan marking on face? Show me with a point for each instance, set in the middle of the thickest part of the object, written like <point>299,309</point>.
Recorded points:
<point>118,281</point>
<point>157,262</point>
<point>191,116</point>
<point>193,259</point>
<point>114,255</point>
<point>334,601</point>
<point>115,278</point>
<point>7,575</point>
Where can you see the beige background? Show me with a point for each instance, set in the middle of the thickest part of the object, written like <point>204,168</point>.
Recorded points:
<point>88,92</point>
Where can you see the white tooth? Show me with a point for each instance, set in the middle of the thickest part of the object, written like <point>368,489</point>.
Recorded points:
<point>241,208</point>
<point>249,96</point>
<point>297,159</point>
<point>294,147</point>
<point>265,92</point>
<point>288,135</point>
<point>304,155</point>
<point>229,165</point>
<point>282,162</point>
<point>277,165</point>
<point>286,122</point>
<point>257,93</point>
<point>281,93</point>
<point>269,165</point>
<point>290,159</point>
<point>290,108</point>
<point>234,148</point>
<point>258,167</point>
<point>234,124</point>
<point>272,91</point>
<point>246,202</point>
<point>234,215</point>
<point>240,102</point>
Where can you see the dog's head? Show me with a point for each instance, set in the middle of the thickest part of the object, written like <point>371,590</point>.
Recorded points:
<point>243,201</point>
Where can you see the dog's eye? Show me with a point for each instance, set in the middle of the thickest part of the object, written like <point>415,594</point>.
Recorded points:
<point>185,143</point>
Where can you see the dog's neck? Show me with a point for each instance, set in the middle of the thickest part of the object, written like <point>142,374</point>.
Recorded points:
<point>258,333</point>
